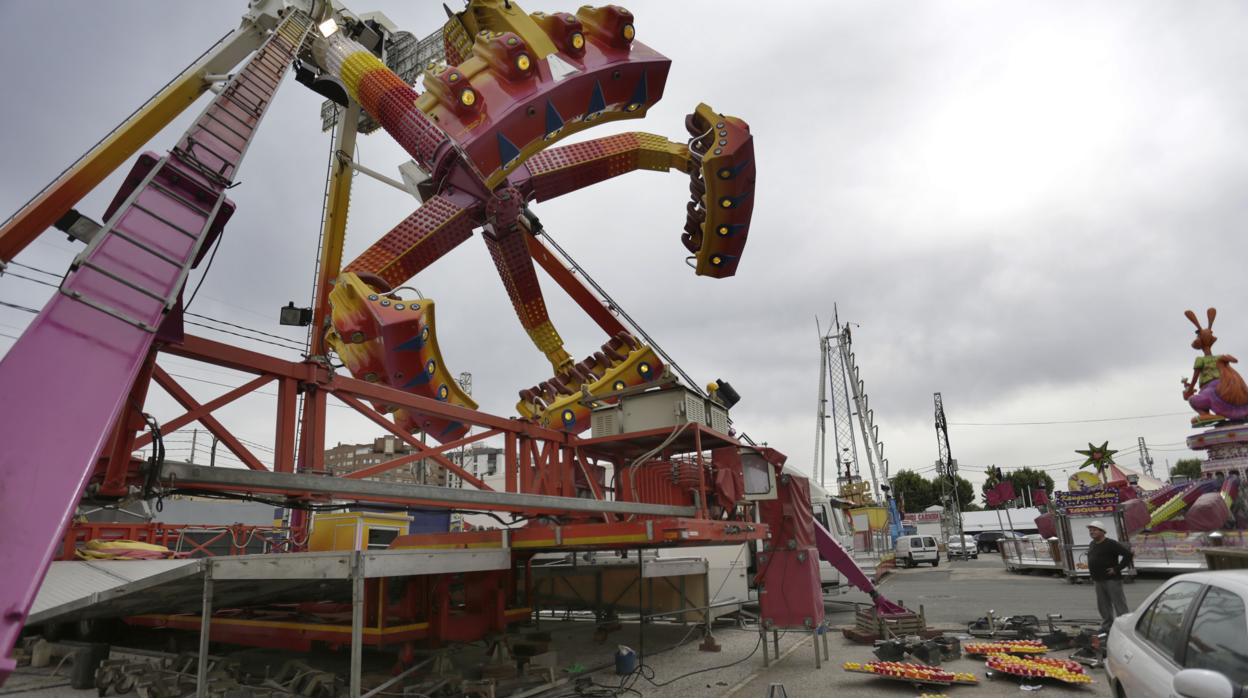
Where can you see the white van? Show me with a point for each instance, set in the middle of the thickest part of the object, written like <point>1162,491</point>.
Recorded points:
<point>911,550</point>
<point>834,520</point>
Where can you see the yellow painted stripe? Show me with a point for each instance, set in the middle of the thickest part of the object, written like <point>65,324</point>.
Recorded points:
<point>450,546</point>
<point>49,206</point>
<point>285,625</point>
<point>583,540</point>
<point>354,67</point>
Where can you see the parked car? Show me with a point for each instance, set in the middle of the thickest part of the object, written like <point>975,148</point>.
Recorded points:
<point>911,550</point>
<point>987,541</point>
<point>964,548</point>
<point>1188,638</point>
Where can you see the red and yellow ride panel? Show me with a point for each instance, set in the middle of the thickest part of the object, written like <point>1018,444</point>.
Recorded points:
<point>382,338</point>
<point>727,174</point>
<point>565,401</point>
<point>532,80</point>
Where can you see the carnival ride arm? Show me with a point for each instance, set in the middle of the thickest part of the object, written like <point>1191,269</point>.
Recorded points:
<point>719,159</point>
<point>437,227</point>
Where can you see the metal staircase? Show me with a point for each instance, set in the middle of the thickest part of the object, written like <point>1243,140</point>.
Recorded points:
<point>110,306</point>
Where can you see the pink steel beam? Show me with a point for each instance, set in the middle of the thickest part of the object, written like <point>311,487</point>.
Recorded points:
<point>834,554</point>
<point>68,377</point>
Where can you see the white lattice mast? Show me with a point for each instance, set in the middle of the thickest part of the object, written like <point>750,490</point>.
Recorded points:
<point>833,371</point>
<point>876,463</point>
<point>1146,459</point>
<point>841,391</point>
<point>820,461</point>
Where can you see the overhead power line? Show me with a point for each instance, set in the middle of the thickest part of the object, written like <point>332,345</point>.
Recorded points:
<point>293,344</point>
<point>41,271</point>
<point>15,275</point>
<point>1064,421</point>
<point>257,392</point>
<point>19,307</point>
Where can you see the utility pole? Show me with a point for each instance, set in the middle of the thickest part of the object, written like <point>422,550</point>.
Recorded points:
<point>947,472</point>
<point>1146,460</point>
<point>194,438</point>
<point>465,384</point>
<point>212,455</point>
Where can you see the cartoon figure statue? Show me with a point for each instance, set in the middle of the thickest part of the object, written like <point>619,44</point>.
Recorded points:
<point>1223,394</point>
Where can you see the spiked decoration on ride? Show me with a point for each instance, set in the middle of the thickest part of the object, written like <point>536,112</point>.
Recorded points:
<point>1099,457</point>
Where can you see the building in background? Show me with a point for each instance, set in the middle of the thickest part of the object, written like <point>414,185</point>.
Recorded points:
<point>482,460</point>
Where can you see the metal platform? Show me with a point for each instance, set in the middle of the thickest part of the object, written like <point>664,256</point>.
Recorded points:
<point>610,586</point>
<point>75,590</point>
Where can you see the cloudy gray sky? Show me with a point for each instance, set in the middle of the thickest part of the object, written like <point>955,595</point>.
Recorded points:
<point>1015,202</point>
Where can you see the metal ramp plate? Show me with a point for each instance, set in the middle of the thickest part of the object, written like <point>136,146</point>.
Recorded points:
<point>76,590</point>
<point>77,585</point>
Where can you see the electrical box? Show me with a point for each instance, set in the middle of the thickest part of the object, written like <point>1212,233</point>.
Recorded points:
<point>658,409</point>
<point>356,530</point>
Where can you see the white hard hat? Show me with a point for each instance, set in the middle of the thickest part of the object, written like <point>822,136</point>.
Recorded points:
<point>1097,523</point>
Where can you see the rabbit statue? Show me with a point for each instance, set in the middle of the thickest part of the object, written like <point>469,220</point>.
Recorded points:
<point>1222,393</point>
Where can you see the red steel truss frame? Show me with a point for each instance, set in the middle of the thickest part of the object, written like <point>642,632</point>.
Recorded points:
<point>537,460</point>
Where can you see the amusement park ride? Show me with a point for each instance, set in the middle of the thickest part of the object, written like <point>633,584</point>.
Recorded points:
<point>483,131</point>
<point>1167,525</point>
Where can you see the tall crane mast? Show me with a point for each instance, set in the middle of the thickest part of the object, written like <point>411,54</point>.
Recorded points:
<point>841,389</point>
<point>947,474</point>
<point>1146,459</point>
<point>834,396</point>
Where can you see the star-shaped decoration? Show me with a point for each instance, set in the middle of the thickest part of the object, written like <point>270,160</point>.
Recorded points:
<point>1098,457</point>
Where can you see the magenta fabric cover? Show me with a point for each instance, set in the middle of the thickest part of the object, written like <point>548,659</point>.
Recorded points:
<point>1046,525</point>
<point>1208,513</point>
<point>791,595</point>
<point>789,515</point>
<point>1135,515</point>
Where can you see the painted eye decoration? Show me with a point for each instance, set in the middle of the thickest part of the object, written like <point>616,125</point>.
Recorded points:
<point>431,367</point>
<point>443,392</point>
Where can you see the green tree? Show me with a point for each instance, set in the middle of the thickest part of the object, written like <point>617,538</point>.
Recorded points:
<point>912,491</point>
<point>966,495</point>
<point>1187,467</point>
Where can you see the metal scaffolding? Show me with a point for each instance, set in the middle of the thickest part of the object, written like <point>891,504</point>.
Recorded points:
<point>841,386</point>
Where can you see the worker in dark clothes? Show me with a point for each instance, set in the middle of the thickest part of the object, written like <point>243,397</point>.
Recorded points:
<point>1107,558</point>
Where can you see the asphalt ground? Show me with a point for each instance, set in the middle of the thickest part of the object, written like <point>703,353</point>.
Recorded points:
<point>950,596</point>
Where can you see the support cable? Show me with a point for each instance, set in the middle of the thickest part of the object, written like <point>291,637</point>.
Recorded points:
<point>613,305</point>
